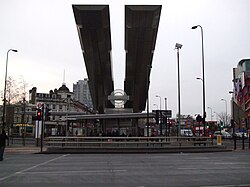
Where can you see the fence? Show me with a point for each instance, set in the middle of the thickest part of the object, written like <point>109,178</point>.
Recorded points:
<point>114,142</point>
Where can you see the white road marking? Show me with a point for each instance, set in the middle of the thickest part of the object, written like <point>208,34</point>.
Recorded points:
<point>30,168</point>
<point>237,185</point>
<point>188,168</point>
<point>76,171</point>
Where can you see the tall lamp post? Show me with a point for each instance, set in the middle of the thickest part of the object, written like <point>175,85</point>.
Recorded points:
<point>211,112</point>
<point>233,119</point>
<point>166,108</point>
<point>156,106</point>
<point>226,111</point>
<point>203,73</point>
<point>232,109</point>
<point>178,47</point>
<point>160,100</point>
<point>5,83</point>
<point>204,116</point>
<point>216,116</point>
<point>160,115</point>
<point>166,105</point>
<point>148,71</point>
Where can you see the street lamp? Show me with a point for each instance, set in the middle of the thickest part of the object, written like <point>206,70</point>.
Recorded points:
<point>232,105</point>
<point>178,47</point>
<point>216,116</point>
<point>160,100</point>
<point>198,78</point>
<point>203,119</point>
<point>5,83</point>
<point>156,106</point>
<point>160,115</point>
<point>166,108</point>
<point>203,73</point>
<point>148,71</point>
<point>232,118</point>
<point>226,110</point>
<point>166,105</point>
<point>211,112</point>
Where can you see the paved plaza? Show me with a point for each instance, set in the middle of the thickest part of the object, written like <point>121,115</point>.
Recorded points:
<point>126,170</point>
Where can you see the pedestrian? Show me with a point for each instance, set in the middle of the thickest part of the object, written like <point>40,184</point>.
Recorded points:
<point>3,138</point>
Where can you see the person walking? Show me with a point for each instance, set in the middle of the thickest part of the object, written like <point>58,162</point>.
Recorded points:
<point>3,138</point>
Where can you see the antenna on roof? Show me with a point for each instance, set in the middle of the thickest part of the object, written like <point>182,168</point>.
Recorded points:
<point>64,77</point>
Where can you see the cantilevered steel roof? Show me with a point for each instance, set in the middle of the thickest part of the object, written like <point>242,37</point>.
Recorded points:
<point>93,24</point>
<point>141,26</point>
<point>111,116</point>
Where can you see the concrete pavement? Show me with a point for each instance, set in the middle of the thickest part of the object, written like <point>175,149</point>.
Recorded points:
<point>23,149</point>
<point>217,169</point>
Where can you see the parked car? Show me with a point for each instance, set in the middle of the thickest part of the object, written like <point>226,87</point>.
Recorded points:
<point>224,134</point>
<point>186,132</point>
<point>238,135</point>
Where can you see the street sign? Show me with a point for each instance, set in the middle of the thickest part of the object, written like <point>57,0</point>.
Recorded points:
<point>39,105</point>
<point>164,113</point>
<point>167,113</point>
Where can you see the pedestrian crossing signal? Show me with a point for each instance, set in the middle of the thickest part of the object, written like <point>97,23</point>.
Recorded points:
<point>39,114</point>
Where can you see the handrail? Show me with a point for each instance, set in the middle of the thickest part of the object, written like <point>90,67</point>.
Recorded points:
<point>81,142</point>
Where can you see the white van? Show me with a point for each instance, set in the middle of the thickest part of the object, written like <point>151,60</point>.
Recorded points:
<point>186,132</point>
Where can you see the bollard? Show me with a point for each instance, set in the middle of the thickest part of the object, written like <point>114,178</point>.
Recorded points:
<point>243,140</point>
<point>235,139</point>
<point>218,139</point>
<point>248,139</point>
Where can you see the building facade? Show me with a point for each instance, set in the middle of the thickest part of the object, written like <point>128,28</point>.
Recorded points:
<point>82,93</point>
<point>19,120</point>
<point>61,103</point>
<point>241,94</point>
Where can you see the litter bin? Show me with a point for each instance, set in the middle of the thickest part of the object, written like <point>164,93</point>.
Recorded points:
<point>219,139</point>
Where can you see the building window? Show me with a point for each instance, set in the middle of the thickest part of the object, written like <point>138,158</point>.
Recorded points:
<point>247,65</point>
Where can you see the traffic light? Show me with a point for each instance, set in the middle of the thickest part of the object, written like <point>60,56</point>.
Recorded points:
<point>207,126</point>
<point>164,120</point>
<point>221,124</point>
<point>198,118</point>
<point>47,114</point>
<point>157,118</point>
<point>38,114</point>
<point>170,124</point>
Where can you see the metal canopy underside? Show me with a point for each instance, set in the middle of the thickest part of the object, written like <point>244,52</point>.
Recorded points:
<point>141,23</point>
<point>141,26</point>
<point>111,116</point>
<point>93,24</point>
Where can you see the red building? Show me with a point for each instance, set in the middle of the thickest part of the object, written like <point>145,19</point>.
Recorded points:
<point>241,94</point>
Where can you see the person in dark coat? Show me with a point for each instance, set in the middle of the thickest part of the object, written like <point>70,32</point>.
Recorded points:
<point>3,138</point>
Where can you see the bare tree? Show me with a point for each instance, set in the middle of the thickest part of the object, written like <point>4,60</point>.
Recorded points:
<point>23,86</point>
<point>15,91</point>
<point>224,118</point>
<point>12,91</point>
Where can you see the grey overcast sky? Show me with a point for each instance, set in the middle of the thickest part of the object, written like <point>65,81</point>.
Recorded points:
<point>44,32</point>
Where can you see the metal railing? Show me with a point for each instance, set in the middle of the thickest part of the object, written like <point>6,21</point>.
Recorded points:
<point>126,142</point>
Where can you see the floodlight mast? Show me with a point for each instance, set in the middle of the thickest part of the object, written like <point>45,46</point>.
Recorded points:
<point>178,47</point>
